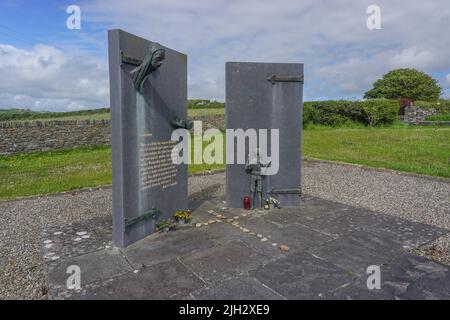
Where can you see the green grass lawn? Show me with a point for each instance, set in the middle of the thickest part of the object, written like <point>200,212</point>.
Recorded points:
<point>439,117</point>
<point>424,150</point>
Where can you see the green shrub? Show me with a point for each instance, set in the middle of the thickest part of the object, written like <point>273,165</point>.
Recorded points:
<point>378,112</point>
<point>341,112</point>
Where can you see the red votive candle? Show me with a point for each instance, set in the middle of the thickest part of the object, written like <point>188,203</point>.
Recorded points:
<point>247,203</point>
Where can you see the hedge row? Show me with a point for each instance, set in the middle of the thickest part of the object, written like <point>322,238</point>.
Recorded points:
<point>340,112</point>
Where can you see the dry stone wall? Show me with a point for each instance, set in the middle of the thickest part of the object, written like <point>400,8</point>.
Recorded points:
<point>33,136</point>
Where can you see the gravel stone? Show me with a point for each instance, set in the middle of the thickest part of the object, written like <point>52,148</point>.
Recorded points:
<point>438,250</point>
<point>416,198</point>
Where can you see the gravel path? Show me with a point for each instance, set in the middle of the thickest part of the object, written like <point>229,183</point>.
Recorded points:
<point>21,272</point>
<point>413,197</point>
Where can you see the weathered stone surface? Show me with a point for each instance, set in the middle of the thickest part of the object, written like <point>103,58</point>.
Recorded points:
<point>168,246</point>
<point>253,102</point>
<point>220,261</point>
<point>343,222</point>
<point>410,234</point>
<point>299,237</point>
<point>239,288</point>
<point>52,134</point>
<point>302,276</point>
<point>94,266</point>
<point>31,136</point>
<point>405,277</point>
<point>144,176</point>
<point>356,251</point>
<point>60,240</point>
<point>167,280</point>
<point>415,114</point>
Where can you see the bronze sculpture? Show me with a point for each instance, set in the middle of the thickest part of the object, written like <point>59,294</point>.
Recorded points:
<point>182,123</point>
<point>254,168</point>
<point>152,61</point>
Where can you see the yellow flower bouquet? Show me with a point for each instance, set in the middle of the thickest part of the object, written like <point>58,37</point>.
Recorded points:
<point>183,216</point>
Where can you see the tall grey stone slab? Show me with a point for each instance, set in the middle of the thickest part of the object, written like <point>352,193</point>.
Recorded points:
<point>266,96</point>
<point>143,176</point>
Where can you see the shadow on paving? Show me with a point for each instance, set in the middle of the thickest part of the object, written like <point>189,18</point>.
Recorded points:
<point>319,251</point>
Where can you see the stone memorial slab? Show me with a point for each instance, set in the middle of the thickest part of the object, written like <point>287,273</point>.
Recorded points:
<point>148,92</point>
<point>264,96</point>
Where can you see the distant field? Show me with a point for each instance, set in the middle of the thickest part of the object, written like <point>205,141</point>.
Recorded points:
<point>101,114</point>
<point>424,150</point>
<point>206,112</point>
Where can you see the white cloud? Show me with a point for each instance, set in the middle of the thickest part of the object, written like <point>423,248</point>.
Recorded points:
<point>414,56</point>
<point>45,78</point>
<point>342,57</point>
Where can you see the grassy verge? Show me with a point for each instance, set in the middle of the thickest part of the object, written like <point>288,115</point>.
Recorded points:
<point>424,150</point>
<point>48,172</point>
<point>412,149</point>
<point>439,117</point>
<point>55,171</point>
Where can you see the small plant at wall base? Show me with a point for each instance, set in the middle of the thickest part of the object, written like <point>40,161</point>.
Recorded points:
<point>165,226</point>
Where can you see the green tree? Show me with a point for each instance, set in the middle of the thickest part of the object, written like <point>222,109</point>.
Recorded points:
<point>405,83</point>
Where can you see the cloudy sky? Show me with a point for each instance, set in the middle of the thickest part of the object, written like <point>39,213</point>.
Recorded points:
<point>45,66</point>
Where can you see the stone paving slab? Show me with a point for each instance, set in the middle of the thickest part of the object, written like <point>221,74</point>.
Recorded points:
<point>166,280</point>
<point>95,266</point>
<point>74,239</point>
<point>342,222</point>
<point>410,234</point>
<point>168,246</point>
<point>238,256</point>
<point>302,276</point>
<point>219,263</point>
<point>299,237</point>
<point>406,277</point>
<point>222,232</point>
<point>239,288</point>
<point>355,252</point>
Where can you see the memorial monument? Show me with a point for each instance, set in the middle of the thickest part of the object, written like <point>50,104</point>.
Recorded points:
<point>266,97</point>
<point>148,92</point>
